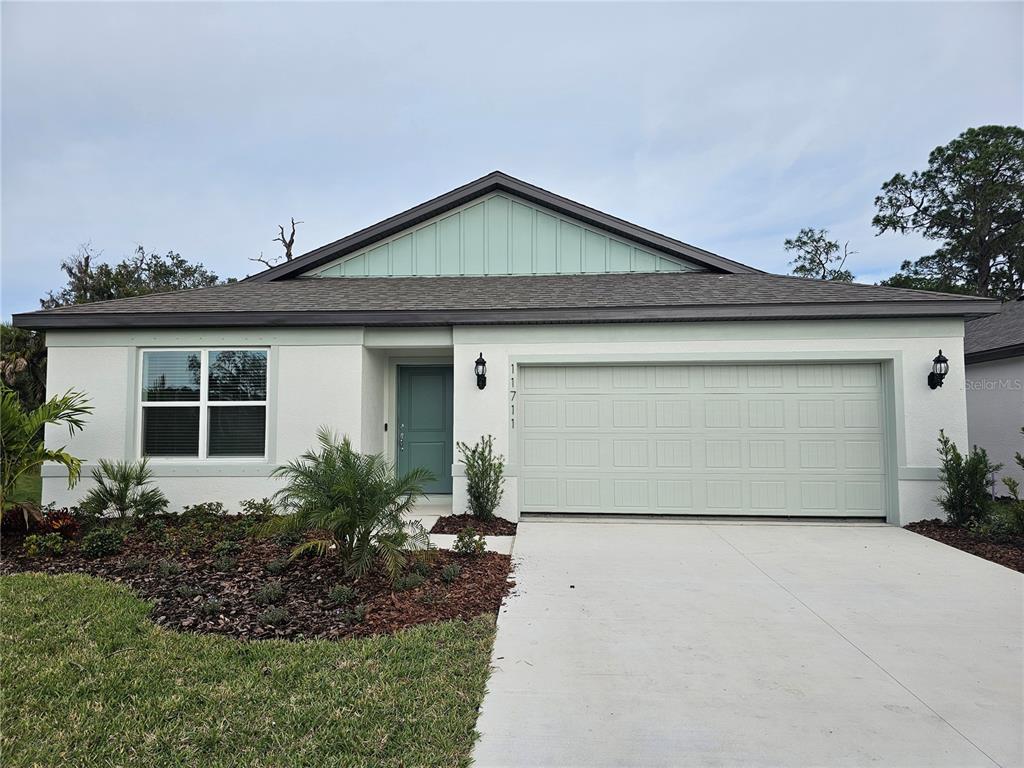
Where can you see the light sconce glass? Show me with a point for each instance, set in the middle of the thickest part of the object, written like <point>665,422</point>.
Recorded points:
<point>480,369</point>
<point>940,367</point>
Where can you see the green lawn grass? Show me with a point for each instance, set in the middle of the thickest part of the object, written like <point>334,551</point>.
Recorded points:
<point>88,680</point>
<point>29,487</point>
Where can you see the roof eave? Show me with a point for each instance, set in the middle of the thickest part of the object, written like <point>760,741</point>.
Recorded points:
<point>490,183</point>
<point>580,315</point>
<point>999,353</point>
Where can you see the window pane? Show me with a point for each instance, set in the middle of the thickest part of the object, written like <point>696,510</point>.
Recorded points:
<point>238,375</point>
<point>170,431</point>
<point>169,376</point>
<point>237,430</point>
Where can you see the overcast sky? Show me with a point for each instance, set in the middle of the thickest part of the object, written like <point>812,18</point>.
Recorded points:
<point>199,127</point>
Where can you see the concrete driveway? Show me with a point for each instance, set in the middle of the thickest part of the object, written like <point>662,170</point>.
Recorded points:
<point>727,644</point>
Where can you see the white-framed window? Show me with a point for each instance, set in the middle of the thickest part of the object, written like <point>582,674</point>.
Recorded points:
<point>203,403</point>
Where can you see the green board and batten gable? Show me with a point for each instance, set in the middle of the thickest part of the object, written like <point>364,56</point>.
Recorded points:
<point>500,235</point>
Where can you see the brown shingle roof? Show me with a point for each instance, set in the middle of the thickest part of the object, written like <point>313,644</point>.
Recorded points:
<point>481,300</point>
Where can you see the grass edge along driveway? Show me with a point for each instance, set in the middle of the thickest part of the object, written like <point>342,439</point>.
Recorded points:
<point>87,680</point>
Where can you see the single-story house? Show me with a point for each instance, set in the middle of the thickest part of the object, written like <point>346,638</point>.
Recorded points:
<point>626,372</point>
<point>994,359</point>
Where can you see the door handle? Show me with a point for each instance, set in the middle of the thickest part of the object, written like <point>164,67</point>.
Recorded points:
<point>401,437</point>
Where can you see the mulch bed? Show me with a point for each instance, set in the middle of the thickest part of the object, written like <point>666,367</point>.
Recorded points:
<point>1007,551</point>
<point>481,585</point>
<point>454,524</point>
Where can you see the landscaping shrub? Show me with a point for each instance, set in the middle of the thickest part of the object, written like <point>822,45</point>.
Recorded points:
<point>277,567</point>
<point>353,505</point>
<point>356,615</point>
<point>343,594</point>
<point>966,492</point>
<point>167,568</point>
<point>270,593</point>
<point>63,522</point>
<point>187,591</point>
<point>1012,511</point>
<point>288,539</point>
<point>155,531</point>
<point>44,545</point>
<point>211,607</point>
<point>450,573</point>
<point>123,488</point>
<point>225,564</point>
<point>136,564</point>
<point>260,509</point>
<point>226,548</point>
<point>274,616</point>
<point>408,581</point>
<point>469,542</point>
<point>102,541</point>
<point>205,516</point>
<point>484,477</point>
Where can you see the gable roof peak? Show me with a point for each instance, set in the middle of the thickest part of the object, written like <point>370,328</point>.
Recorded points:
<point>500,181</point>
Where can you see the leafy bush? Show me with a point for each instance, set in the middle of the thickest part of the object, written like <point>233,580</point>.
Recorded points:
<point>205,515</point>
<point>155,531</point>
<point>270,593</point>
<point>63,522</point>
<point>167,568</point>
<point>450,572</point>
<point>354,616</point>
<point>343,594</point>
<point>226,548</point>
<point>484,477</point>
<point>187,591</point>
<point>225,564</point>
<point>408,581</point>
<point>469,542</point>
<point>260,509</point>
<point>274,616</point>
<point>44,545</point>
<point>288,538</point>
<point>353,504</point>
<point>102,541</point>
<point>136,564</point>
<point>211,607</point>
<point>966,492</point>
<point>124,488</point>
<point>1011,512</point>
<point>277,567</point>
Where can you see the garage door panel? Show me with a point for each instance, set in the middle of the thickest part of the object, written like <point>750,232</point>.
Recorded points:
<point>732,439</point>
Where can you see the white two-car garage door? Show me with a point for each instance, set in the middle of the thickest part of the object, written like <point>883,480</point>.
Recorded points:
<point>784,440</point>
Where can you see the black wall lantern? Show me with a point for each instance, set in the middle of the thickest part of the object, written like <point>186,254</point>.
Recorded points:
<point>940,367</point>
<point>480,369</point>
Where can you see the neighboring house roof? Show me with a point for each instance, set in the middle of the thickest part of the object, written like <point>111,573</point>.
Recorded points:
<point>997,336</point>
<point>498,181</point>
<point>410,301</point>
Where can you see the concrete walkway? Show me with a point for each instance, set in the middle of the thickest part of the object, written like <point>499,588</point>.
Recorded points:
<point>718,644</point>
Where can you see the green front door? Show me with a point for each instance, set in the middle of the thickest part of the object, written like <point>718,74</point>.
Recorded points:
<point>425,423</point>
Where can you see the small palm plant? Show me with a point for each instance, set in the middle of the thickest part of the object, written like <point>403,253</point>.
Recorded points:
<point>352,504</point>
<point>21,445</point>
<point>123,488</point>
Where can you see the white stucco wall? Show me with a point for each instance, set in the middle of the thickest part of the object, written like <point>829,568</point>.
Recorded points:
<point>905,346</point>
<point>345,378</point>
<point>995,412</point>
<point>314,377</point>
